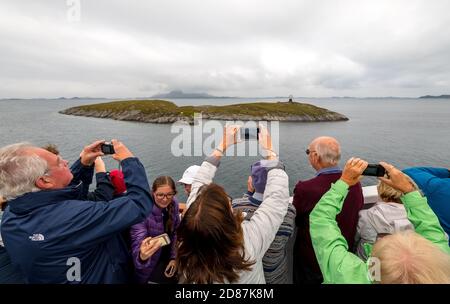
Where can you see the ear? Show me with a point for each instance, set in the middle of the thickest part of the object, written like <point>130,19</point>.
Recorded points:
<point>318,159</point>
<point>44,183</point>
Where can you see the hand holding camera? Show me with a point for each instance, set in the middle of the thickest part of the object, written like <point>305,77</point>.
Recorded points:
<point>121,152</point>
<point>374,170</point>
<point>100,147</point>
<point>396,179</point>
<point>91,152</point>
<point>353,170</point>
<point>265,140</point>
<point>229,138</point>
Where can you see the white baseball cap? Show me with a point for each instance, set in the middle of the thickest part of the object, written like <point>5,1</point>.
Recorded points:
<point>189,174</point>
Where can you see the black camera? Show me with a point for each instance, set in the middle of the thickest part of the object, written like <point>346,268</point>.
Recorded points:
<point>374,170</point>
<point>107,148</point>
<point>250,133</point>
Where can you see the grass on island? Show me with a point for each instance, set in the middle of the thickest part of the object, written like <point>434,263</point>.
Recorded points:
<point>167,108</point>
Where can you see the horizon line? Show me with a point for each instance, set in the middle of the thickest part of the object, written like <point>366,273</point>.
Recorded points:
<point>219,97</point>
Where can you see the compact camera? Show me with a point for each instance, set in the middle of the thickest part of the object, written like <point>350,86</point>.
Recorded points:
<point>107,148</point>
<point>374,170</point>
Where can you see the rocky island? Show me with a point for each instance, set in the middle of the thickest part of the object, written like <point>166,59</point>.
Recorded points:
<point>432,96</point>
<point>162,111</point>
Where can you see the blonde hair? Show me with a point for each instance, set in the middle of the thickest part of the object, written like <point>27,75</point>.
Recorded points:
<point>389,194</point>
<point>408,258</point>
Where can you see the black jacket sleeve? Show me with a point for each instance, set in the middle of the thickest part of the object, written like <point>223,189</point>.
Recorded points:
<point>104,190</point>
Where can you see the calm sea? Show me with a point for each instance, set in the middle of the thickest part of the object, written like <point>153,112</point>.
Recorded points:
<point>405,132</point>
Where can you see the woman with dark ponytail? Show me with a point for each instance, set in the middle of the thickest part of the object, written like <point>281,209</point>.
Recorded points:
<point>154,262</point>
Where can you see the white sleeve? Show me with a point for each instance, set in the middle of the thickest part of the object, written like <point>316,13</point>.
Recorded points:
<point>204,176</point>
<point>261,229</point>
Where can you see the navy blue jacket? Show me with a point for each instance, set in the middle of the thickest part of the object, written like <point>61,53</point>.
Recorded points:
<point>47,232</point>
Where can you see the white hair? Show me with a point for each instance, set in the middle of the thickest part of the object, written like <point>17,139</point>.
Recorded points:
<point>19,170</point>
<point>409,258</point>
<point>328,153</point>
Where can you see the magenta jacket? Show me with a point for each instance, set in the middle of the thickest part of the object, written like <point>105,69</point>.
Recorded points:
<point>153,225</point>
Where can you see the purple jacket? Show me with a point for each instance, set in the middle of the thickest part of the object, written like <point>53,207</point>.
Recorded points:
<point>153,225</point>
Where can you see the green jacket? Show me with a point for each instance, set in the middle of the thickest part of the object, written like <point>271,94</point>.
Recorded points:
<point>337,264</point>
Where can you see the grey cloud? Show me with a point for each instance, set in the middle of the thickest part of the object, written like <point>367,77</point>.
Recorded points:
<point>234,48</point>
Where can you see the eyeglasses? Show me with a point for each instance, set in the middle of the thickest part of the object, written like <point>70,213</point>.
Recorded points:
<point>309,151</point>
<point>165,195</point>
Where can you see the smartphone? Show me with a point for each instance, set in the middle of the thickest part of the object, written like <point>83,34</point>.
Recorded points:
<point>162,238</point>
<point>249,133</point>
<point>374,170</point>
<point>107,148</point>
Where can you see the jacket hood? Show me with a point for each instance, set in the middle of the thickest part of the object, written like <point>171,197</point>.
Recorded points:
<point>33,200</point>
<point>389,218</point>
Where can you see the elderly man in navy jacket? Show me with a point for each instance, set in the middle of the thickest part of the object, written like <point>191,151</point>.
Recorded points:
<point>50,229</point>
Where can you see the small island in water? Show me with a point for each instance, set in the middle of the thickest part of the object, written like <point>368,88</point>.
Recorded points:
<point>162,111</point>
<point>439,97</point>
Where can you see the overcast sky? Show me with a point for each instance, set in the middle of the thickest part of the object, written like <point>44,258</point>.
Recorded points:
<point>138,48</point>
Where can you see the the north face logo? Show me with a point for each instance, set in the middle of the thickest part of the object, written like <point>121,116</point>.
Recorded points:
<point>37,237</point>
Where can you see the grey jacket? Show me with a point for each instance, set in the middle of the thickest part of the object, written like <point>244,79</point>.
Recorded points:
<point>382,218</point>
<point>260,230</point>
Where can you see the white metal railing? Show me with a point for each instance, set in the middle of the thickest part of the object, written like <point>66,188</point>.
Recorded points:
<point>370,194</point>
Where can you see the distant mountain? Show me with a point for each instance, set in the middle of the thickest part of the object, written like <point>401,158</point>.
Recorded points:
<point>431,96</point>
<point>181,94</point>
<point>76,98</point>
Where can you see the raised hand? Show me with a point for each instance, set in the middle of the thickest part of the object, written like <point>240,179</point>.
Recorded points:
<point>265,140</point>
<point>229,138</point>
<point>250,187</point>
<point>121,150</point>
<point>91,152</point>
<point>353,170</point>
<point>99,165</point>
<point>396,179</point>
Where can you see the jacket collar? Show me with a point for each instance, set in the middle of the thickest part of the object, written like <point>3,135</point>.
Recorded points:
<point>329,170</point>
<point>156,211</point>
<point>34,200</point>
